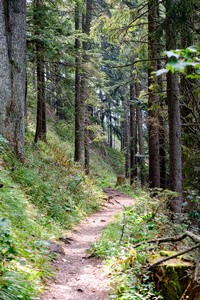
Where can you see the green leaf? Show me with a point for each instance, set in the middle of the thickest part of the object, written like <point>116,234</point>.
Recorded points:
<point>192,48</point>
<point>161,72</point>
<point>171,54</point>
<point>179,65</point>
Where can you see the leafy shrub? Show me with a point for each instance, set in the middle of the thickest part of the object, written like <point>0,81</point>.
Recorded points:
<point>126,265</point>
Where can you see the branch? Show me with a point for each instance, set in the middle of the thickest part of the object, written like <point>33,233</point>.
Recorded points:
<point>197,267</point>
<point>141,60</point>
<point>163,240</point>
<point>193,236</point>
<point>174,256</point>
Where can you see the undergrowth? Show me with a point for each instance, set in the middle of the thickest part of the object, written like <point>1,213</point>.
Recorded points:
<point>125,264</point>
<point>40,199</point>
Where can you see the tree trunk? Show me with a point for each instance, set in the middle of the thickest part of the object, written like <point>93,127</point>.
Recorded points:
<point>175,163</point>
<point>162,138</point>
<point>79,104</point>
<point>162,142</point>
<point>154,158</point>
<point>110,125</point>
<point>126,134</point>
<point>41,129</point>
<point>13,73</point>
<point>133,133</point>
<point>86,29</point>
<point>140,138</point>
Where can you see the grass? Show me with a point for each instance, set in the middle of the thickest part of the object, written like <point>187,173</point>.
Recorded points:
<point>41,200</point>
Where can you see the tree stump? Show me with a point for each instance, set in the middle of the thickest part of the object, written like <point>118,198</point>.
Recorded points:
<point>120,180</point>
<point>171,277</point>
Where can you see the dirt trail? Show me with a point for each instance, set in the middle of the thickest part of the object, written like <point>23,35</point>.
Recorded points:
<point>79,277</point>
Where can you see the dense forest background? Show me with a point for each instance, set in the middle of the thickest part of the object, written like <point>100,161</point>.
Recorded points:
<point>116,78</point>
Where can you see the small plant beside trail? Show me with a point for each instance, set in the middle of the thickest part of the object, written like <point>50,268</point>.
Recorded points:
<point>127,265</point>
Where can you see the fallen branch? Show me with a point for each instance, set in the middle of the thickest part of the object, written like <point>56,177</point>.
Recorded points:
<point>197,267</point>
<point>162,240</point>
<point>193,236</point>
<point>174,256</point>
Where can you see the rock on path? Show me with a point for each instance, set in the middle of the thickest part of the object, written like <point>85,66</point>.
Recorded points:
<point>79,277</point>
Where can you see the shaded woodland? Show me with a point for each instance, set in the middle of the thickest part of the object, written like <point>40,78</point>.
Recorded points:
<point>119,76</point>
<point>93,63</point>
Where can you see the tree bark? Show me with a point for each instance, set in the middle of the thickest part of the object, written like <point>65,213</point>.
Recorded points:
<point>13,73</point>
<point>140,137</point>
<point>86,29</point>
<point>79,104</point>
<point>175,161</point>
<point>41,129</point>
<point>133,134</point>
<point>126,133</point>
<point>154,158</point>
<point>162,137</point>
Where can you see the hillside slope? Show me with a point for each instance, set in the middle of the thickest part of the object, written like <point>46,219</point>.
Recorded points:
<point>41,200</point>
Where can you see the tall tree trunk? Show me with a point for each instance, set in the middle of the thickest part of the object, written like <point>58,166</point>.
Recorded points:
<point>140,138</point>
<point>126,134</point>
<point>86,29</point>
<point>175,163</point>
<point>13,73</point>
<point>41,129</point>
<point>79,103</point>
<point>154,158</point>
<point>133,133</point>
<point>110,126</point>
<point>162,138</point>
<point>111,134</point>
<point>162,142</point>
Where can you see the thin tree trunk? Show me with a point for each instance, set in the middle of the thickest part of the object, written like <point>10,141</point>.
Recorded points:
<point>41,102</point>
<point>41,129</point>
<point>154,158</point>
<point>162,131</point>
<point>25,100</point>
<point>140,138</point>
<point>162,139</point>
<point>126,135</point>
<point>175,163</point>
<point>79,104</point>
<point>86,29</point>
<point>133,132</point>
<point>110,125</point>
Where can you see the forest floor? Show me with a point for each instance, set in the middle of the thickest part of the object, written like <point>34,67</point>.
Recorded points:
<point>79,276</point>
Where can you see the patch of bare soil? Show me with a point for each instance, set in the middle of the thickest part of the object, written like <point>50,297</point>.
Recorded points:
<point>79,277</point>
